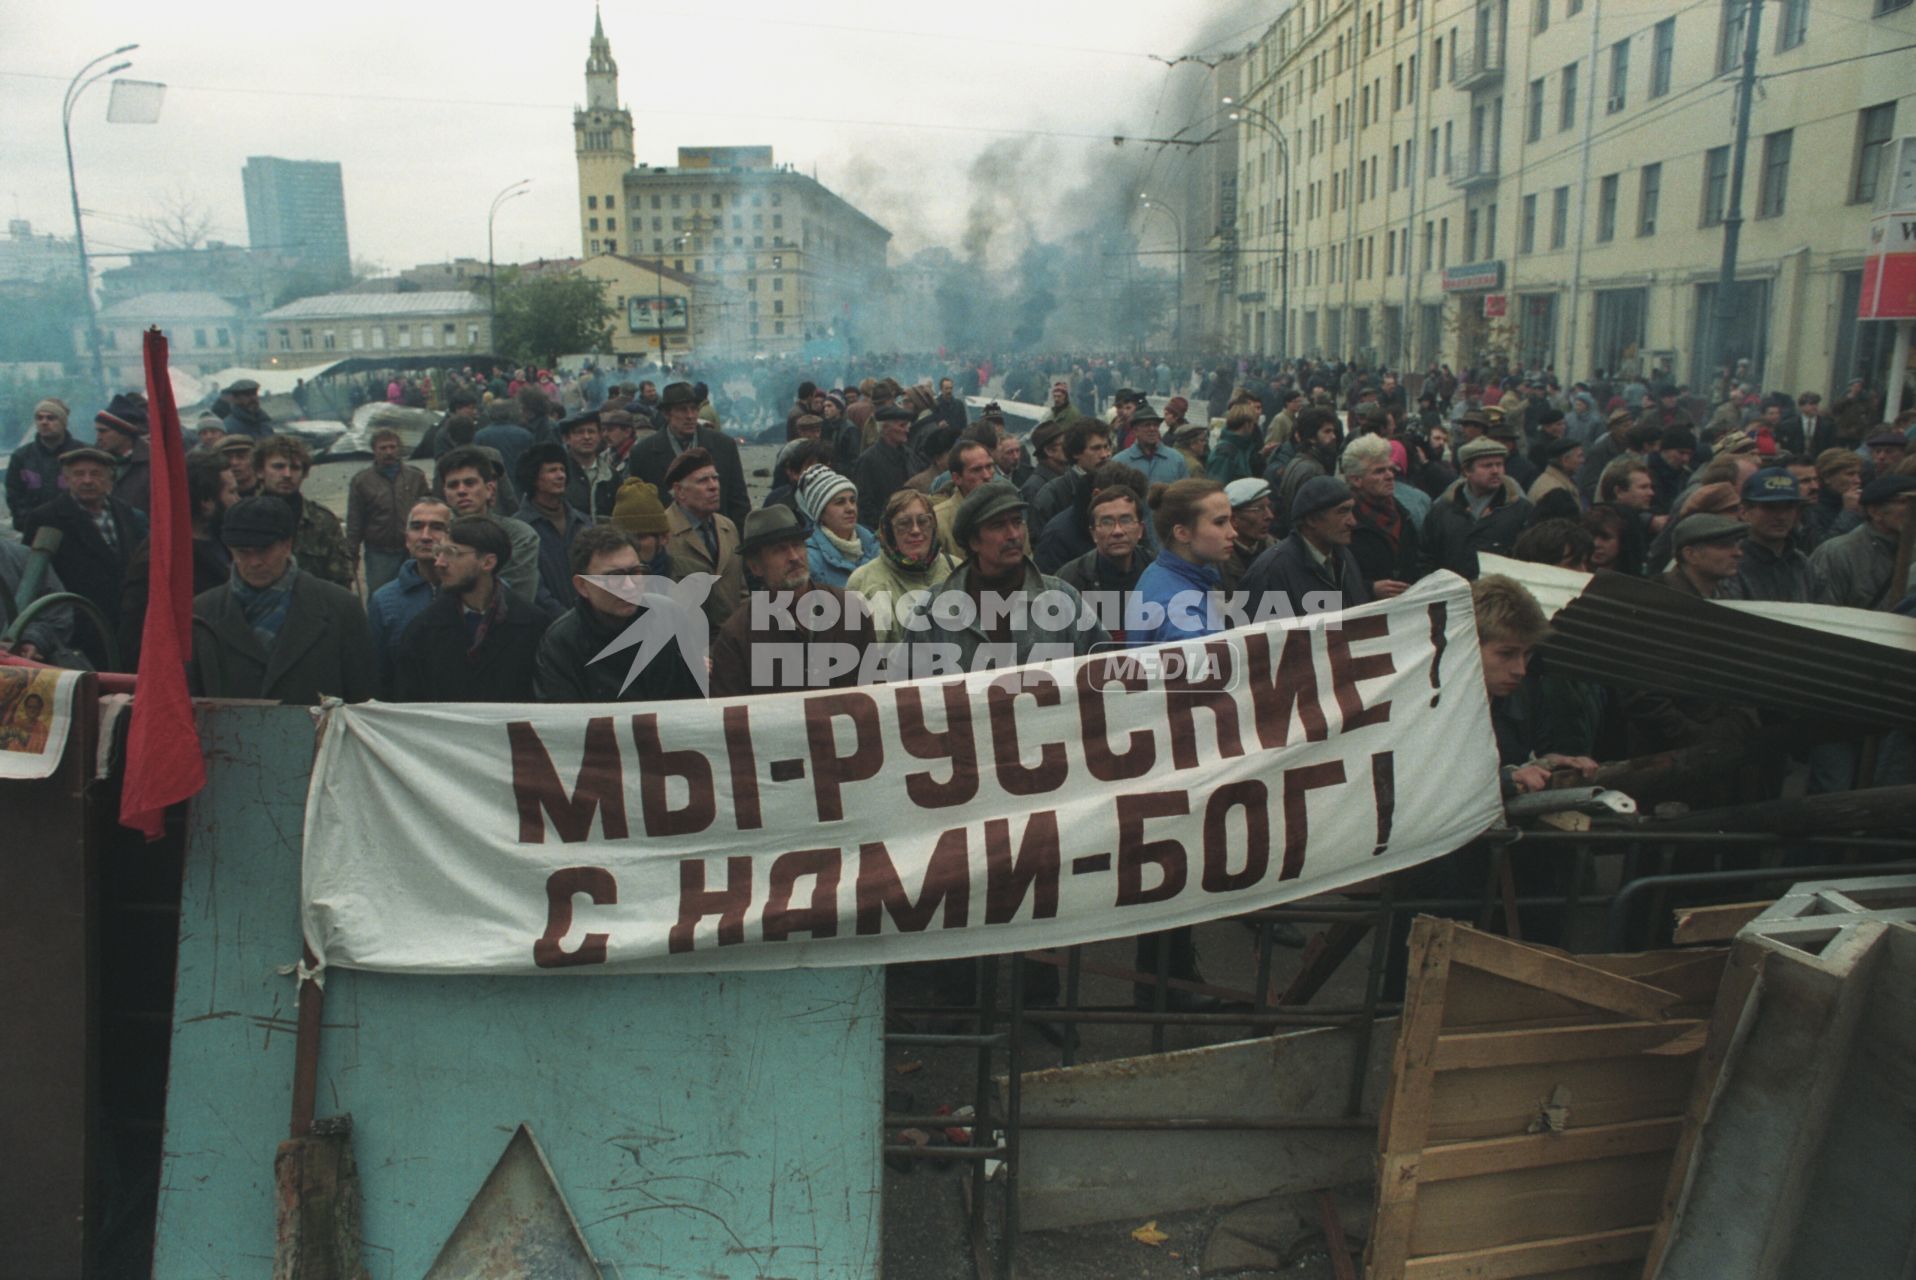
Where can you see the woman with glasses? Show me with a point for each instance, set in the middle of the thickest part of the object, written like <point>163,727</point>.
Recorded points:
<point>908,561</point>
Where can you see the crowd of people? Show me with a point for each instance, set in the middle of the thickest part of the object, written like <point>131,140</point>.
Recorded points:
<point>540,524</point>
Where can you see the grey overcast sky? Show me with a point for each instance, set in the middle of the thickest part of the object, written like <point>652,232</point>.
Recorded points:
<point>433,107</point>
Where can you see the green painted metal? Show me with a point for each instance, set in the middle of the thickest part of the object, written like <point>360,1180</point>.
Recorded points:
<point>697,1125</point>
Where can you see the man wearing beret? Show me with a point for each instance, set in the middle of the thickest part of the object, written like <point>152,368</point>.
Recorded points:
<point>1773,567</point>
<point>33,473</point>
<point>1857,567</point>
<point>1708,553</point>
<point>1313,570</point>
<point>275,631</point>
<point>651,457</point>
<point>1484,510</point>
<point>98,534</point>
<point>121,431</point>
<point>245,417</point>
<point>1562,457</point>
<point>700,538</point>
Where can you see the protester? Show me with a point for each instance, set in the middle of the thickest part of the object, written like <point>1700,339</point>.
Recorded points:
<point>1251,518</point>
<point>1484,510</point>
<point>909,563</point>
<point>121,429</point>
<point>700,539</point>
<point>837,544</point>
<point>478,639</point>
<point>391,608</point>
<point>1178,596</point>
<point>319,540</point>
<point>1312,570</point>
<point>792,631</point>
<point>1773,568</point>
<point>469,480</point>
<point>1148,454</point>
<point>377,500</point>
<point>567,668</point>
<point>274,630</point>
<point>1857,567</point>
<point>209,492</point>
<point>545,478</point>
<point>969,464</point>
<point>1107,575</point>
<point>886,466</point>
<point>1384,540</point>
<point>1087,446</point>
<point>653,457</point>
<point>244,415</point>
<point>33,472</point>
<point>1709,551</point>
<point>592,480</point>
<point>98,533</point>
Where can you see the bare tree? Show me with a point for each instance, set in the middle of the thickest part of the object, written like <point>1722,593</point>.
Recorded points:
<point>178,221</point>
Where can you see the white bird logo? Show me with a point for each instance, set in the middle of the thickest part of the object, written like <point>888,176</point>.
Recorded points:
<point>668,611</point>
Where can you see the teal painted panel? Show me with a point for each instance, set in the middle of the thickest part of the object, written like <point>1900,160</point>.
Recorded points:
<point>699,1125</point>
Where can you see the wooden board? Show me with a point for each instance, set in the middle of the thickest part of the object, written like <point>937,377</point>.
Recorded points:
<point>1535,1106</point>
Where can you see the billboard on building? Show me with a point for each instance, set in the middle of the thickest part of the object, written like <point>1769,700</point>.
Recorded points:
<point>725,157</point>
<point>657,315</point>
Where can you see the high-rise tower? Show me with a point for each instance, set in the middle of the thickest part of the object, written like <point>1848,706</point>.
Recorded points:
<point>602,138</point>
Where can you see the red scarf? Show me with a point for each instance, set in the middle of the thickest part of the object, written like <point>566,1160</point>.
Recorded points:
<point>1385,515</point>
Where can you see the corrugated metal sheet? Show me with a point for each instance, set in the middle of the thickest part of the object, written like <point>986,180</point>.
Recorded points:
<point>1643,635</point>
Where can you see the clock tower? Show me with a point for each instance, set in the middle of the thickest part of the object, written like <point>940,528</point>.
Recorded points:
<point>602,139</point>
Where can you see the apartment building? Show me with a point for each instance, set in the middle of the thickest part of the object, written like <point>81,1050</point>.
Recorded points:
<point>1551,178</point>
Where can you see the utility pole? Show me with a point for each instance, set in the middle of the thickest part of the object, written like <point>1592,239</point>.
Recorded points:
<point>1733,215</point>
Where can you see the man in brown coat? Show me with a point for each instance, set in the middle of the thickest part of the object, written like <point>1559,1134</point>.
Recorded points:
<point>377,502</point>
<point>698,537</point>
<point>785,636</point>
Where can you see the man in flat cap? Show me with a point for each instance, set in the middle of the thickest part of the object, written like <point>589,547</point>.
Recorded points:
<point>1148,452</point>
<point>651,457</point>
<point>98,534</point>
<point>1484,510</point>
<point>1708,553</point>
<point>244,416</point>
<point>275,631</point>
<point>1046,445</point>
<point>1313,570</point>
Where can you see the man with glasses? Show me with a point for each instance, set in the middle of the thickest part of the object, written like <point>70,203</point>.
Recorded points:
<point>477,641</point>
<point>1107,574</point>
<point>566,670</point>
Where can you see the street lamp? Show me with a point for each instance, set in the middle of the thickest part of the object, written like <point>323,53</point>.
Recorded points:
<point>1244,112</point>
<point>1177,315</point>
<point>75,88</point>
<point>512,192</point>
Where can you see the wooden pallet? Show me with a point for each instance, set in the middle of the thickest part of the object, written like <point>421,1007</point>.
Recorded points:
<point>1535,1102</point>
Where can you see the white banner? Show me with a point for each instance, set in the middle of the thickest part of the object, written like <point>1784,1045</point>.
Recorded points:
<point>1029,808</point>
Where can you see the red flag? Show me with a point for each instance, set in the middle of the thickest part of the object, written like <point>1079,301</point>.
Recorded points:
<point>163,764</point>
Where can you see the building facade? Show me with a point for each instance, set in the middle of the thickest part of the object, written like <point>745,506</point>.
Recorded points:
<point>205,333</point>
<point>657,307</point>
<point>1550,179</point>
<point>394,326</point>
<point>786,260</point>
<point>298,207</point>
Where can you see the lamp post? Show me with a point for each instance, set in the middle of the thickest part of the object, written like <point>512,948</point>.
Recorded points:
<point>1177,314</point>
<point>75,87</point>
<point>1243,112</point>
<point>517,189</point>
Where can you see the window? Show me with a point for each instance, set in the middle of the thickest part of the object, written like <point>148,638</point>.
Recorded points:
<point>1430,155</point>
<point>1527,225</point>
<point>1776,174</point>
<point>1443,242</point>
<point>1573,8</point>
<point>327,340</point>
<point>1430,239</point>
<point>1716,184</point>
<point>1619,77</point>
<point>285,339</point>
<point>675,199</point>
<point>1470,235</point>
<point>592,202</point>
<point>426,335</point>
<point>1533,121</point>
<point>1567,109</point>
<point>1662,52</point>
<point>1796,24</point>
<point>1890,6</point>
<point>405,335</point>
<point>1540,17</point>
<point>1874,128</point>
<point>1619,328</point>
<point>1490,232</point>
<point>221,337</point>
<point>1649,191</point>
<point>778,284</point>
<point>305,339</point>
<point>1559,216</point>
<point>199,337</point>
<point>655,204</point>
<point>1729,45</point>
<point>379,337</point>
<point>778,307</point>
<point>356,338</point>
<point>1607,209</point>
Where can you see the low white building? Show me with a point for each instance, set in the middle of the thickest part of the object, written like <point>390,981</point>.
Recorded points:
<point>204,332</point>
<point>394,326</point>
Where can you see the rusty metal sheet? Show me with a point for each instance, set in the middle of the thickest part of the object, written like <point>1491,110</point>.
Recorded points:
<point>519,1226</point>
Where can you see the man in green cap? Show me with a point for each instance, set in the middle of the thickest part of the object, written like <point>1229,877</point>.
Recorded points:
<point>996,623</point>
<point>1709,552</point>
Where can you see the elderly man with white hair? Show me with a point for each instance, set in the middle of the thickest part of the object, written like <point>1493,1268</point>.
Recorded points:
<point>1384,543</point>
